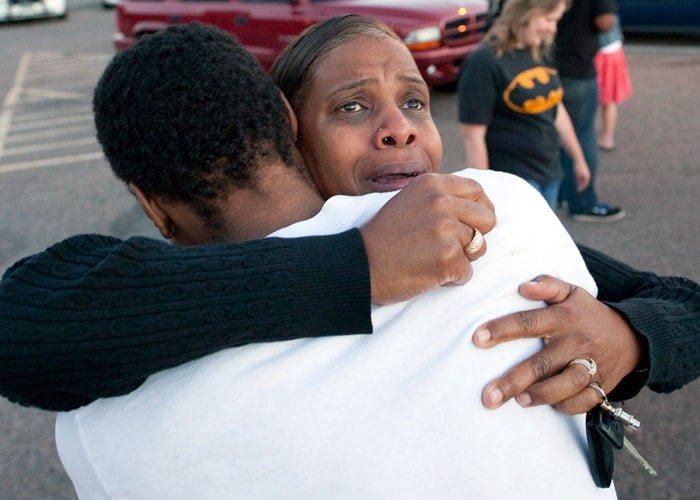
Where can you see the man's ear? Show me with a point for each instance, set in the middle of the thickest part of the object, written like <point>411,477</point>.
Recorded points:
<point>291,115</point>
<point>155,211</point>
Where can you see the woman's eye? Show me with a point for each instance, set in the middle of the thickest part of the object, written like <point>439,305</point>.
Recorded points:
<point>350,107</point>
<point>414,104</point>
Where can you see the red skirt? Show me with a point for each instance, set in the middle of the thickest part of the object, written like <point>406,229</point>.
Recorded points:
<point>614,85</point>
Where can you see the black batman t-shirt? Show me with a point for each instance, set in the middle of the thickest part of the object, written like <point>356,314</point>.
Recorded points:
<point>517,98</point>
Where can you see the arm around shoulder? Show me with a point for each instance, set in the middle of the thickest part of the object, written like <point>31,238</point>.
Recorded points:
<point>94,316</point>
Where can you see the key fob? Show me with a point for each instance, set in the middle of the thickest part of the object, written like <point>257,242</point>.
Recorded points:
<point>603,433</point>
<point>609,427</point>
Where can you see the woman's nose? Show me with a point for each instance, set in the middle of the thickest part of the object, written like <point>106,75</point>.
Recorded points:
<point>397,130</point>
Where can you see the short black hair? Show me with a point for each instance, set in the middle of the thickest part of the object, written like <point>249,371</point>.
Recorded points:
<point>187,113</point>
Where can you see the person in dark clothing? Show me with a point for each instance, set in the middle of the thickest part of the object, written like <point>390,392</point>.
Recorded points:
<point>510,109</point>
<point>267,290</point>
<point>101,337</point>
<point>300,419</point>
<point>575,48</point>
<point>298,69</point>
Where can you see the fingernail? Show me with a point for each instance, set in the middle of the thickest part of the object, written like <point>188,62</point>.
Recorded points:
<point>482,336</point>
<point>524,399</point>
<point>494,397</point>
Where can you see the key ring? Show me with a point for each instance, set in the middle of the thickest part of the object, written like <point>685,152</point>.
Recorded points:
<point>599,390</point>
<point>617,413</point>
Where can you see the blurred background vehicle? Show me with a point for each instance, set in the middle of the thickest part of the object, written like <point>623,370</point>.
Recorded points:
<point>646,16</point>
<point>660,16</point>
<point>21,10</point>
<point>109,4</point>
<point>440,33</point>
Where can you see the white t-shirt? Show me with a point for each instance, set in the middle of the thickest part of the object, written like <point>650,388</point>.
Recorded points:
<point>392,415</point>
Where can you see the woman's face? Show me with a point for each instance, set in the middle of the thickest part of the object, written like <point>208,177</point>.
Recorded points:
<point>541,26</point>
<point>366,125</point>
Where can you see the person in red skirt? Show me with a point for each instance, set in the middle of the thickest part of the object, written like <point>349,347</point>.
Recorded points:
<point>613,82</point>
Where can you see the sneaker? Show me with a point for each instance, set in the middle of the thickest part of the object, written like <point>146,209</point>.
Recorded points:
<point>600,213</point>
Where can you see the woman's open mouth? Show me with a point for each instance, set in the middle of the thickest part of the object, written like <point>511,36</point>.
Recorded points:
<point>392,182</point>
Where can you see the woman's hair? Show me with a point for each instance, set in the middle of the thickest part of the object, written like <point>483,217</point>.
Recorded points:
<point>515,16</point>
<point>295,67</point>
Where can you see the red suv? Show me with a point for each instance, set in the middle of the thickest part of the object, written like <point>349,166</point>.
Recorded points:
<point>439,33</point>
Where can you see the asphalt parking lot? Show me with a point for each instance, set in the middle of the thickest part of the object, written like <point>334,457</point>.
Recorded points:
<point>654,174</point>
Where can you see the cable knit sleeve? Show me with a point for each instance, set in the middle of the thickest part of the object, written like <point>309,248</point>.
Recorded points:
<point>93,316</point>
<point>663,310</point>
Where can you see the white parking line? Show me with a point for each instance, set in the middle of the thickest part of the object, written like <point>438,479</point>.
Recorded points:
<point>34,95</point>
<point>32,136</point>
<point>11,98</point>
<point>49,162</point>
<point>83,141</point>
<point>48,114</point>
<point>48,108</point>
<point>52,122</point>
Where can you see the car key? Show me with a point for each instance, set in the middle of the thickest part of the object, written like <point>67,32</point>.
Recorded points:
<point>605,432</point>
<point>620,415</point>
<point>637,456</point>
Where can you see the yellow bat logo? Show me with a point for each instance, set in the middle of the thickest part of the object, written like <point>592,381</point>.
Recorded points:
<point>530,80</point>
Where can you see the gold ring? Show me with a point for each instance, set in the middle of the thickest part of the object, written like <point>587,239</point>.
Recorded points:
<point>476,243</point>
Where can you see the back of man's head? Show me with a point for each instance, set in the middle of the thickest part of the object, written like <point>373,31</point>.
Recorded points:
<point>187,113</point>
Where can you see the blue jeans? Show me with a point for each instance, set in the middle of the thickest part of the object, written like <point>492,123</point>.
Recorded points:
<point>550,191</point>
<point>581,102</point>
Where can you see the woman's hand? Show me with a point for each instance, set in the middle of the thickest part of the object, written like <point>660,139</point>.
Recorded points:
<point>582,174</point>
<point>417,241</point>
<point>573,325</point>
